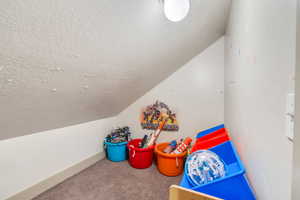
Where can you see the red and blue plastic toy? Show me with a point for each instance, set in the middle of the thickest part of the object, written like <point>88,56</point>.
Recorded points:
<point>234,186</point>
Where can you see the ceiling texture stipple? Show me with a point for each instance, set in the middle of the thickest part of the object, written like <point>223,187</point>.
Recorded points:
<point>64,62</point>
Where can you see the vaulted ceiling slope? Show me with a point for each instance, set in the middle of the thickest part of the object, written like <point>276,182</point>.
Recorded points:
<point>64,62</point>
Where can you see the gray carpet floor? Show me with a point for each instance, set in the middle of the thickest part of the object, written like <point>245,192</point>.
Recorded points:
<point>107,180</point>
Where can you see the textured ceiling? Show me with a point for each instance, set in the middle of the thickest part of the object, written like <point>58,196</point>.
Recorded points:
<point>64,62</point>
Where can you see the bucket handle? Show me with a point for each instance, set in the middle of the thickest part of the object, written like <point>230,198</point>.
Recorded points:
<point>131,147</point>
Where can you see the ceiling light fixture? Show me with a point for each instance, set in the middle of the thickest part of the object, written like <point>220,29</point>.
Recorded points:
<point>176,10</point>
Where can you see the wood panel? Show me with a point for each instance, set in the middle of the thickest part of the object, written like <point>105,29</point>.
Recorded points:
<point>180,193</point>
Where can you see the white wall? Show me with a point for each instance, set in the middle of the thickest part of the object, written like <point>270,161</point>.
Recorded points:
<point>194,92</point>
<point>27,160</point>
<point>259,68</point>
<point>296,146</point>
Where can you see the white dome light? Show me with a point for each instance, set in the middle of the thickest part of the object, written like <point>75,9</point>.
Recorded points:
<point>176,10</point>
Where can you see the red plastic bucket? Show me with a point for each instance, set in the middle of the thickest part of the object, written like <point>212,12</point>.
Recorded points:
<point>140,158</point>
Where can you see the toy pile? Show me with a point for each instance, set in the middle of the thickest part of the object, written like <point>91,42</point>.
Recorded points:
<point>153,114</point>
<point>119,135</point>
<point>149,141</point>
<point>178,146</point>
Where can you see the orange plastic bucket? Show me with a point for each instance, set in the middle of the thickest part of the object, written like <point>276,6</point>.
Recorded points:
<point>169,164</point>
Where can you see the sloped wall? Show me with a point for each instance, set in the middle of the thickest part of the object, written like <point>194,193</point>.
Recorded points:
<point>27,160</point>
<point>194,92</point>
<point>259,73</point>
<point>65,62</point>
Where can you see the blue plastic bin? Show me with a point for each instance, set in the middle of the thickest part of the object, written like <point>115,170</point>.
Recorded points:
<point>116,152</point>
<point>210,130</point>
<point>234,186</point>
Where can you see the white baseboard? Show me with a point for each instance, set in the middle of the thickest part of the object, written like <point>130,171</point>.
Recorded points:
<point>52,181</point>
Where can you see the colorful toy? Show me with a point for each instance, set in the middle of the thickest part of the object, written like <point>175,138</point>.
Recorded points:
<point>119,135</point>
<point>204,166</point>
<point>153,114</point>
<point>170,147</point>
<point>144,141</point>
<point>154,136</point>
<point>183,146</point>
